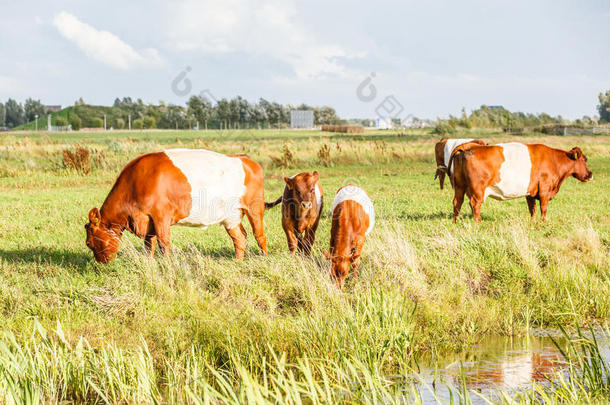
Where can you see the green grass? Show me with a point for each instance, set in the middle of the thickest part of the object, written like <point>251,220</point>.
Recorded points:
<point>173,329</point>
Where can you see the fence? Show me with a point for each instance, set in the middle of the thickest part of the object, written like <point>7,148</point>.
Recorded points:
<point>55,128</point>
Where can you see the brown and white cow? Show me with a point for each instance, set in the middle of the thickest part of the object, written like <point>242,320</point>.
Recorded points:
<point>353,218</point>
<point>192,187</point>
<point>512,170</point>
<point>443,150</point>
<point>302,202</point>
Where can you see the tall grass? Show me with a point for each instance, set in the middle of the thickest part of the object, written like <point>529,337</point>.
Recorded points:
<point>47,368</point>
<point>199,326</point>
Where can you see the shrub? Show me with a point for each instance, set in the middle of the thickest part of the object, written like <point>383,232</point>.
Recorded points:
<point>444,128</point>
<point>286,160</point>
<point>149,122</point>
<point>76,123</point>
<point>138,124</point>
<point>98,123</point>
<point>79,160</point>
<point>61,122</point>
<point>324,155</point>
<point>120,123</point>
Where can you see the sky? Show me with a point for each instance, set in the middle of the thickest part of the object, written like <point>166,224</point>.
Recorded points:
<point>426,58</point>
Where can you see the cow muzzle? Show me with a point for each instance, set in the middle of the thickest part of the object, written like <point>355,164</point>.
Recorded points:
<point>306,205</point>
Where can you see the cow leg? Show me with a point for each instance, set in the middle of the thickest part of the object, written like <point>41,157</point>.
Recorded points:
<point>356,256</point>
<point>475,205</point>
<point>308,240</point>
<point>531,205</point>
<point>458,200</point>
<point>162,231</point>
<point>544,203</point>
<point>150,239</point>
<point>256,221</point>
<point>238,235</point>
<point>292,239</point>
<point>150,243</point>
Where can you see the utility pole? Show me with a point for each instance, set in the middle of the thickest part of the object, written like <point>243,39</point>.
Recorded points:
<point>129,119</point>
<point>104,122</point>
<point>36,117</point>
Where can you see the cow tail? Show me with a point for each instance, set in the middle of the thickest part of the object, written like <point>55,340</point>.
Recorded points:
<point>457,154</point>
<point>273,204</point>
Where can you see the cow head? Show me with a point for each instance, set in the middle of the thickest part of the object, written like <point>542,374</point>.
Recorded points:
<point>103,241</point>
<point>580,171</point>
<point>441,169</point>
<point>339,267</point>
<point>303,187</point>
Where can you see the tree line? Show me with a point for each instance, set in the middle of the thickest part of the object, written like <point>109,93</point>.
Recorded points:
<point>13,114</point>
<point>231,113</point>
<point>240,113</point>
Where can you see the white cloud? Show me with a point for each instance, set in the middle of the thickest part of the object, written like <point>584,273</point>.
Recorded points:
<point>268,28</point>
<point>104,46</point>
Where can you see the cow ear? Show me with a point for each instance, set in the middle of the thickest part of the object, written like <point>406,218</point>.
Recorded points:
<point>288,181</point>
<point>94,216</point>
<point>575,153</point>
<point>326,254</point>
<point>316,176</point>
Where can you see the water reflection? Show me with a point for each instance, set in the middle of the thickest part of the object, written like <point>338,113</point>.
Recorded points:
<point>496,363</point>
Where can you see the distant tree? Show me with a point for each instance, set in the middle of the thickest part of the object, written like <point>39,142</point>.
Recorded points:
<point>199,109</point>
<point>32,108</point>
<point>138,123</point>
<point>194,108</point>
<point>76,122</point>
<point>223,111</point>
<point>61,122</point>
<point>80,101</point>
<point>327,115</point>
<point>98,123</point>
<point>149,122</point>
<point>120,123</point>
<point>14,113</point>
<point>604,106</point>
<point>117,102</point>
<point>174,117</point>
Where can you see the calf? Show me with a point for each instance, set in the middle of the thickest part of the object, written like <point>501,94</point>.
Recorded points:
<point>353,217</point>
<point>512,170</point>
<point>192,187</point>
<point>301,207</point>
<point>443,150</point>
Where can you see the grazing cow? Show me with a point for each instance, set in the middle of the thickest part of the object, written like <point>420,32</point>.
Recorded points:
<point>443,150</point>
<point>353,217</point>
<point>511,170</point>
<point>192,187</point>
<point>301,208</point>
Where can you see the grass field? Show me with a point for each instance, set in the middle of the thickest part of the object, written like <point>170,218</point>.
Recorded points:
<point>200,325</point>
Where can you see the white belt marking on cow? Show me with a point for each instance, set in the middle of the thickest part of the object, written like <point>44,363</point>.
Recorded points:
<point>358,195</point>
<point>217,186</point>
<point>450,146</point>
<point>515,173</point>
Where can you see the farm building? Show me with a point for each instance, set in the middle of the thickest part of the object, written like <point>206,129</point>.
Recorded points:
<point>301,119</point>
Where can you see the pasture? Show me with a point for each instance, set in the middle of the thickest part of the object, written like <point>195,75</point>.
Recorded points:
<point>199,324</point>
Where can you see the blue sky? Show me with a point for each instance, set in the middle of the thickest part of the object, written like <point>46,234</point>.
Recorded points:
<point>434,57</point>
